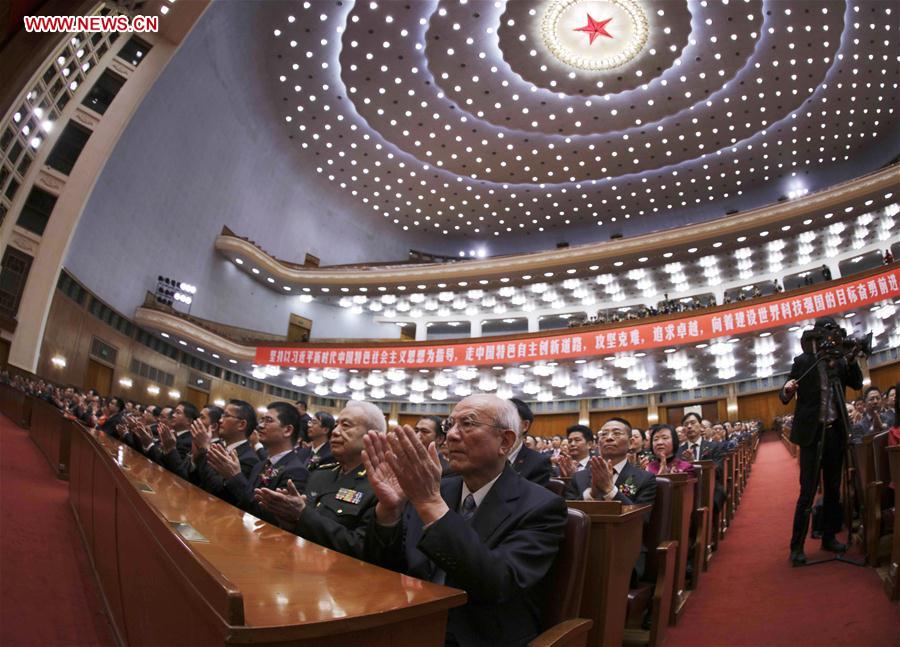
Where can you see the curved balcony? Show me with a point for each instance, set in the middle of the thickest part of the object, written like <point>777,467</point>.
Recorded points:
<point>841,203</point>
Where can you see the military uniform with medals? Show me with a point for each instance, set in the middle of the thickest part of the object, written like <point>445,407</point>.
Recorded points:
<point>338,509</point>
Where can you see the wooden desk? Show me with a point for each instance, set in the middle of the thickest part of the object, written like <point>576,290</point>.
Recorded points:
<point>615,545</point>
<point>892,582</point>
<point>245,581</point>
<point>707,476</point>
<point>15,405</point>
<point>50,432</point>
<point>682,508</point>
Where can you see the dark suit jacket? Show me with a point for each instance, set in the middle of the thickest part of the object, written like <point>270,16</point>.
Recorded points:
<point>178,461</point>
<point>533,466</point>
<point>109,427</point>
<point>500,558</point>
<point>809,396</point>
<point>324,457</point>
<point>643,482</point>
<point>210,480</point>
<point>241,487</point>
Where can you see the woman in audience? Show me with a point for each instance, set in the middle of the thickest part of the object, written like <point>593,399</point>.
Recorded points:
<point>665,445</point>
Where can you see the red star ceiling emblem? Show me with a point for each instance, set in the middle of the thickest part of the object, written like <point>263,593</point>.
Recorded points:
<point>595,28</point>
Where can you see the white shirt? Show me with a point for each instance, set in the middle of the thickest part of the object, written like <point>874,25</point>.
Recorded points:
<point>182,432</point>
<point>277,457</point>
<point>511,457</point>
<point>583,463</point>
<point>315,450</point>
<point>617,469</point>
<point>479,494</point>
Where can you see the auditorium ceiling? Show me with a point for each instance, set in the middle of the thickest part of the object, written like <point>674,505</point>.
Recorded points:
<point>577,120</point>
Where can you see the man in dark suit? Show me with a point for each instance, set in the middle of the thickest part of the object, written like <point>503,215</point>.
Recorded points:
<point>340,502</point>
<point>235,424</point>
<point>115,415</point>
<point>817,420</point>
<point>174,449</point>
<point>430,429</point>
<point>610,477</point>
<point>487,531</point>
<point>530,465</point>
<point>278,434</point>
<point>318,451</point>
<point>698,448</point>
<point>305,419</point>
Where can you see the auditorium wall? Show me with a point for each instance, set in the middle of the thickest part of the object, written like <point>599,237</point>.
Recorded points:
<point>201,152</point>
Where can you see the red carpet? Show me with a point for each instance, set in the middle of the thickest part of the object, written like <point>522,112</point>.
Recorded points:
<point>751,595</point>
<point>47,590</point>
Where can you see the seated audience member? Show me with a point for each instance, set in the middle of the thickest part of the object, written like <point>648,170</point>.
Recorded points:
<point>530,442</point>
<point>555,445</point>
<point>664,442</point>
<point>305,419</point>
<point>889,401</point>
<point>610,477</point>
<point>278,433</point>
<point>318,451</point>
<point>894,434</point>
<point>581,441</point>
<point>430,429</point>
<point>695,448</point>
<point>174,449</point>
<point>874,419</point>
<point>235,425</point>
<point>635,445</point>
<point>340,503</point>
<point>113,416</point>
<point>174,443</point>
<point>527,462</point>
<point>488,531</point>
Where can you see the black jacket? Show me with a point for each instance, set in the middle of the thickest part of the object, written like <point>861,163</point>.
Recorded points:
<point>241,487</point>
<point>809,396</point>
<point>636,486</point>
<point>500,558</point>
<point>533,466</point>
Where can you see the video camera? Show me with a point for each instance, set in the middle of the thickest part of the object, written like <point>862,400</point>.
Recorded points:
<point>832,340</point>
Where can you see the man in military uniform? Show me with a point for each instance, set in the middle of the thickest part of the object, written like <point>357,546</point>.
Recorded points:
<point>340,502</point>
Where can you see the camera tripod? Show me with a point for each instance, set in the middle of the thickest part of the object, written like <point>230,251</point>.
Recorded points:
<point>832,391</point>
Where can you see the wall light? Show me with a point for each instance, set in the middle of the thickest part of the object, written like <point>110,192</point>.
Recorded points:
<point>174,394</point>
<point>58,361</point>
<point>219,402</point>
<point>126,382</point>
<point>153,389</point>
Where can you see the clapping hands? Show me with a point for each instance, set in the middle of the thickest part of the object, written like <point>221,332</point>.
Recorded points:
<point>287,504</point>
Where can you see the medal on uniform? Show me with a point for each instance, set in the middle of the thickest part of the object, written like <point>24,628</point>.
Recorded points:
<point>348,496</point>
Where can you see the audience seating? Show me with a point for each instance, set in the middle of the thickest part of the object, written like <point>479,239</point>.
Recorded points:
<point>50,432</point>
<point>892,581</point>
<point>699,522</point>
<point>557,486</point>
<point>615,544</point>
<point>706,475</point>
<point>15,405</point>
<point>680,531</point>
<point>239,582</point>
<point>653,594</point>
<point>565,629</point>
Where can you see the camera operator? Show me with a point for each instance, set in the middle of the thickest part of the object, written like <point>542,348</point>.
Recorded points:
<point>819,421</point>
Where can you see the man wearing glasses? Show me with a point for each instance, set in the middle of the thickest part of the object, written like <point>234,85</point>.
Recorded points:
<point>487,531</point>
<point>235,426</point>
<point>610,477</point>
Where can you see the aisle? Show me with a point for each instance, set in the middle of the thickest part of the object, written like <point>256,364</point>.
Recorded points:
<point>751,595</point>
<point>47,591</point>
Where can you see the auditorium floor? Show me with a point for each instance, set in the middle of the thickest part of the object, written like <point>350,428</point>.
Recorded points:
<point>47,590</point>
<point>751,596</point>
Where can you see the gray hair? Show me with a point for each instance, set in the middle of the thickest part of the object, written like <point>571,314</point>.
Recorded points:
<point>503,411</point>
<point>374,417</point>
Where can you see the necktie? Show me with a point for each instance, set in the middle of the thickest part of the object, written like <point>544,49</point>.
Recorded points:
<point>696,452</point>
<point>468,507</point>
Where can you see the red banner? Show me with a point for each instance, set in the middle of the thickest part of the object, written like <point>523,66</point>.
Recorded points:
<point>572,345</point>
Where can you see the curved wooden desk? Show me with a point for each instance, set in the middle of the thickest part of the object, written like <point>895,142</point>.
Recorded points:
<point>244,581</point>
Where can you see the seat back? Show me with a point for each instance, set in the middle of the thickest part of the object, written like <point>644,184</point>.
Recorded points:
<point>567,576</point>
<point>882,465</point>
<point>557,486</point>
<point>658,527</point>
